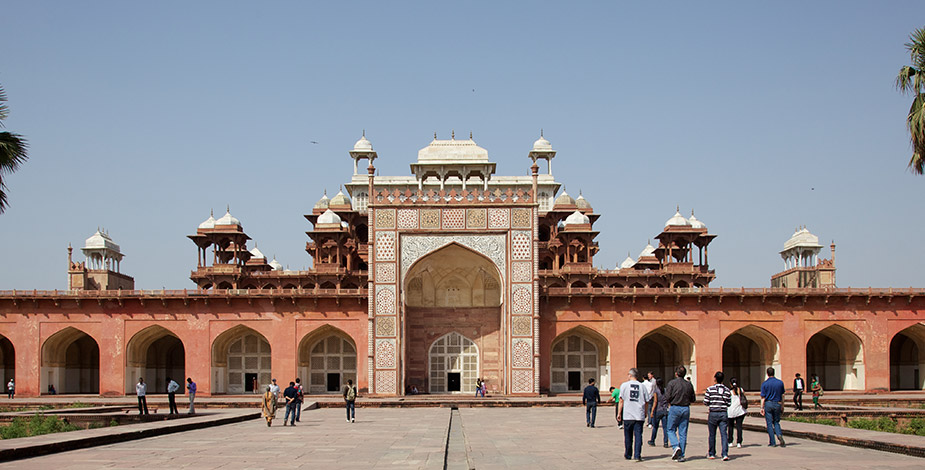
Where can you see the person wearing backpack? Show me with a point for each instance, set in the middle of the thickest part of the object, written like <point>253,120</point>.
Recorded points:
<point>300,397</point>
<point>736,412</point>
<point>350,398</point>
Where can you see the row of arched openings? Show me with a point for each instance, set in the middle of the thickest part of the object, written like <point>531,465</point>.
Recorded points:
<point>241,361</point>
<point>834,354</point>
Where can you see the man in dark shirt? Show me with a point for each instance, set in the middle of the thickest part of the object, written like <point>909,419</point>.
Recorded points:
<point>680,395</point>
<point>590,399</point>
<point>798,386</point>
<point>291,395</point>
<point>772,405</point>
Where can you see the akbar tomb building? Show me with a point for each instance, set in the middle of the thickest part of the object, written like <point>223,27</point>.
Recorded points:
<point>453,273</point>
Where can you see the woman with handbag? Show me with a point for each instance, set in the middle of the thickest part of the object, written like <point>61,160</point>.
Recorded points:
<point>736,412</point>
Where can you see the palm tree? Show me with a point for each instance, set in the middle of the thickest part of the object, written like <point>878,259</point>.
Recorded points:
<point>911,79</point>
<point>13,150</point>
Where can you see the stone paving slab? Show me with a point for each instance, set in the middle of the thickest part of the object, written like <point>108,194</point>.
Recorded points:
<point>496,438</point>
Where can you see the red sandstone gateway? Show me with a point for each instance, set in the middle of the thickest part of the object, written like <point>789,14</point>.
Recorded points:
<point>432,280</point>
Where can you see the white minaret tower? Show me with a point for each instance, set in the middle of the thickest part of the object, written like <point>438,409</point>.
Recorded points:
<point>102,253</point>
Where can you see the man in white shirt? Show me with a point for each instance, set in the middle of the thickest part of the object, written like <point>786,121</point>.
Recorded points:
<point>172,388</point>
<point>141,389</point>
<point>632,407</point>
<point>274,389</point>
<point>650,387</point>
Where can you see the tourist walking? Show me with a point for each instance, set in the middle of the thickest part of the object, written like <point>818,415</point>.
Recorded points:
<point>717,399</point>
<point>798,386</point>
<point>658,413</point>
<point>772,406</point>
<point>478,387</point>
<point>680,394</point>
<point>816,387</point>
<point>172,388</point>
<point>141,389</point>
<point>590,398</point>
<point>268,406</point>
<point>615,398</point>
<point>483,387</point>
<point>10,389</point>
<point>350,401</point>
<point>290,394</point>
<point>736,412</point>
<point>300,398</point>
<point>275,389</point>
<point>649,383</point>
<point>191,388</point>
<point>632,407</point>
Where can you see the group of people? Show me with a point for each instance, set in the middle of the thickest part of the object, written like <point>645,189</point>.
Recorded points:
<point>294,396</point>
<point>480,387</point>
<point>141,390</point>
<point>646,401</point>
<point>815,387</point>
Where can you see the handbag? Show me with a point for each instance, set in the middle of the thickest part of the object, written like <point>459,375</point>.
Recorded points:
<point>743,400</point>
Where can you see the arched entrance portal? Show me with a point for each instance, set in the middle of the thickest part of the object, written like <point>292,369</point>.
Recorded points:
<point>71,362</point>
<point>837,357</point>
<point>453,290</point>
<point>578,355</point>
<point>155,354</point>
<point>8,360</point>
<point>907,361</point>
<point>454,364</point>
<point>327,359</point>
<point>663,350</point>
<point>239,356</point>
<point>747,353</point>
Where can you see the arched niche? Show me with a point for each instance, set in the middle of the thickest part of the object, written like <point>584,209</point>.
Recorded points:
<point>71,362</point>
<point>747,353</point>
<point>327,359</point>
<point>239,355</point>
<point>836,355</point>
<point>156,354</point>
<point>453,276</point>
<point>7,359</point>
<point>453,361</point>
<point>907,359</point>
<point>576,356</point>
<point>663,349</point>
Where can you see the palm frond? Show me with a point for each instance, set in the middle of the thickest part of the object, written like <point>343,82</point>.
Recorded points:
<point>4,110</point>
<point>13,152</point>
<point>904,79</point>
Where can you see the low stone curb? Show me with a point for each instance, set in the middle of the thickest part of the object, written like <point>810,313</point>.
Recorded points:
<point>27,447</point>
<point>874,444</point>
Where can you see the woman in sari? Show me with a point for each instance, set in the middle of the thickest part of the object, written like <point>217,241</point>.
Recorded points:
<point>816,388</point>
<point>269,406</point>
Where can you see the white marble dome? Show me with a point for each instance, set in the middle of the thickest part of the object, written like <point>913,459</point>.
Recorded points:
<point>564,200</point>
<point>542,145</point>
<point>582,203</point>
<point>276,265</point>
<point>696,223</point>
<point>208,223</point>
<point>340,199</point>
<point>363,145</point>
<point>323,202</point>
<point>255,253</point>
<point>649,250</point>
<point>677,220</point>
<point>329,217</point>
<point>629,262</point>
<point>802,238</point>
<point>228,219</point>
<point>577,218</point>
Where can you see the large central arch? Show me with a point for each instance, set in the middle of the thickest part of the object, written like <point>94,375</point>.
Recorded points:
<point>154,353</point>
<point>453,290</point>
<point>327,360</point>
<point>239,355</point>
<point>578,355</point>
<point>747,354</point>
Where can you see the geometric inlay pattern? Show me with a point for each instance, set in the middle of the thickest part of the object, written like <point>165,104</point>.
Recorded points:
<point>430,218</point>
<point>385,218</point>
<point>385,353</point>
<point>522,271</point>
<point>414,247</point>
<point>385,326</point>
<point>454,218</point>
<point>385,382</point>
<point>385,300</point>
<point>522,381</point>
<point>521,246</point>
<point>522,299</point>
<point>407,218</point>
<point>475,218</point>
<point>522,352</point>
<point>498,218</point>
<point>520,325</point>
<point>385,246</point>
<point>521,218</point>
<point>385,272</point>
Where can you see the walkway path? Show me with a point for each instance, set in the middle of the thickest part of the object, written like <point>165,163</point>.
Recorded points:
<point>543,438</point>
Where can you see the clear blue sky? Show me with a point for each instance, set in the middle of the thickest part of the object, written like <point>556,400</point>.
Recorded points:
<point>142,116</point>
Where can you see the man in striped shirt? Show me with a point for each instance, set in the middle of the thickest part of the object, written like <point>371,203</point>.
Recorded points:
<point>717,398</point>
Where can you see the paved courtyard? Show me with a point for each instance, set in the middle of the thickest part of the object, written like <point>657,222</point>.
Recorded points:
<point>544,438</point>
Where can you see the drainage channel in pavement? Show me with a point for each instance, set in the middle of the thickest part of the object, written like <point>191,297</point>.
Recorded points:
<point>457,447</point>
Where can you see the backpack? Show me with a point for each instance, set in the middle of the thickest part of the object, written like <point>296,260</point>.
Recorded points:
<point>743,401</point>
<point>351,393</point>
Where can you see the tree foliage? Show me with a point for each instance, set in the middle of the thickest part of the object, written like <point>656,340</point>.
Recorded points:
<point>13,151</point>
<point>911,80</point>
